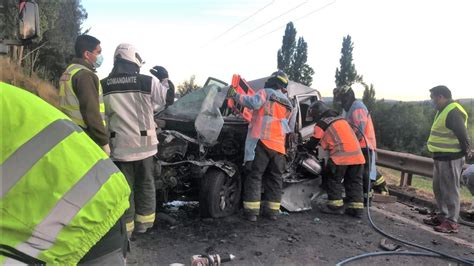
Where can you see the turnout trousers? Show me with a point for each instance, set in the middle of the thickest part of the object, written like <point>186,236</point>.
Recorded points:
<point>267,171</point>
<point>139,174</point>
<point>371,174</point>
<point>348,177</point>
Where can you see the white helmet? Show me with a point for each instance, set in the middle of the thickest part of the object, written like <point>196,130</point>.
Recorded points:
<point>128,52</point>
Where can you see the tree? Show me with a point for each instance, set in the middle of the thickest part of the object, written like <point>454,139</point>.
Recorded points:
<point>48,54</point>
<point>292,57</point>
<point>285,54</point>
<point>347,74</point>
<point>369,96</point>
<point>188,86</point>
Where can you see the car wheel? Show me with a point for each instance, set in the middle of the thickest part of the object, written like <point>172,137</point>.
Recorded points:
<point>219,195</point>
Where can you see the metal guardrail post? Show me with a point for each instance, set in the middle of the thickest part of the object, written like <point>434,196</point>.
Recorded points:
<point>408,164</point>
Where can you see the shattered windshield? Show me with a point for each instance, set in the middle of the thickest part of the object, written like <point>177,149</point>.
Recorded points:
<point>202,106</point>
<point>209,121</point>
<point>189,106</point>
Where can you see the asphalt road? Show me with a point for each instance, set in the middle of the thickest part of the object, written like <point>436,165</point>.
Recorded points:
<point>308,238</point>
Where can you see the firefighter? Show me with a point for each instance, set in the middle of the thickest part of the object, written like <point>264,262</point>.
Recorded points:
<point>61,198</point>
<point>265,145</point>
<point>130,99</point>
<point>345,164</point>
<point>357,114</point>
<point>80,93</point>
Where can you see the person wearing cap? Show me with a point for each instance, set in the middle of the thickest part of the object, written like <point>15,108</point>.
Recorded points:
<point>345,165</point>
<point>80,92</point>
<point>358,116</point>
<point>265,145</point>
<point>130,100</point>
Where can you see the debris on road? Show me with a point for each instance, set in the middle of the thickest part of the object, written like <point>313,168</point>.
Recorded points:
<point>389,246</point>
<point>423,211</point>
<point>384,198</point>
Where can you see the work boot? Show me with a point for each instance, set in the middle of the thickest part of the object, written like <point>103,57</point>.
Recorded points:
<point>331,209</point>
<point>250,216</point>
<point>142,228</point>
<point>270,215</point>
<point>357,213</point>
<point>447,227</point>
<point>433,221</point>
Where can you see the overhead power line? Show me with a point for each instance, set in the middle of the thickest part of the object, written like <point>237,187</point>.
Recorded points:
<point>242,21</point>
<point>302,17</point>
<point>279,16</point>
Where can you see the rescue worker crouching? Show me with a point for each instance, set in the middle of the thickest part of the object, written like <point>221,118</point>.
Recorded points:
<point>265,146</point>
<point>357,114</point>
<point>130,99</point>
<point>345,164</point>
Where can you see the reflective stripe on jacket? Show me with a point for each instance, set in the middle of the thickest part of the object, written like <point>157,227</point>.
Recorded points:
<point>68,102</point>
<point>271,109</point>
<point>337,137</point>
<point>443,139</point>
<point>129,110</point>
<point>359,116</point>
<point>60,193</point>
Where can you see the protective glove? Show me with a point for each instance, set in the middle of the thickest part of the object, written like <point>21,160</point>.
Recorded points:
<point>160,72</point>
<point>231,92</point>
<point>106,149</point>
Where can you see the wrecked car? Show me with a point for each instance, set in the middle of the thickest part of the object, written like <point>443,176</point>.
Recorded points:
<point>201,150</point>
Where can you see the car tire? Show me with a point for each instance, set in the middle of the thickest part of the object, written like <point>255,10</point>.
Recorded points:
<point>219,195</point>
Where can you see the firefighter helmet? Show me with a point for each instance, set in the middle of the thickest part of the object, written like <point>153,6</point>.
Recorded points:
<point>279,77</point>
<point>129,53</point>
<point>318,109</point>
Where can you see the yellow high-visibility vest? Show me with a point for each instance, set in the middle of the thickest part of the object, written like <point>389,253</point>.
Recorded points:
<point>60,193</point>
<point>442,139</point>
<point>68,102</point>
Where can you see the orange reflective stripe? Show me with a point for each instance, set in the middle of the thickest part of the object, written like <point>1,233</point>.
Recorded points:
<point>343,146</point>
<point>271,130</point>
<point>318,132</point>
<point>360,116</point>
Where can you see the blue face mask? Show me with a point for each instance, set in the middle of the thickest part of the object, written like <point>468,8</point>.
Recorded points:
<point>98,61</point>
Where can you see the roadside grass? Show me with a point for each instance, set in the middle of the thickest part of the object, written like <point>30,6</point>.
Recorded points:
<point>13,74</point>
<point>420,183</point>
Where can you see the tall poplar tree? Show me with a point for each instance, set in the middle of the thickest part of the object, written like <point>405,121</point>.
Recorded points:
<point>292,57</point>
<point>347,73</point>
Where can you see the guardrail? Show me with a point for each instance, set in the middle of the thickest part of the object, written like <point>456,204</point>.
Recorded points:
<point>407,164</point>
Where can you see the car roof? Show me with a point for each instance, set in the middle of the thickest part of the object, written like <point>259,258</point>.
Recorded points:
<point>294,88</point>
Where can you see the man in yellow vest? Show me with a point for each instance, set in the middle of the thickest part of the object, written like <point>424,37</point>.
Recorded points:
<point>80,92</point>
<point>61,198</point>
<point>449,143</point>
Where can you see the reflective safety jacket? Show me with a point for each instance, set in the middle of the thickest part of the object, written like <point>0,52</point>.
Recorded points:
<point>60,194</point>
<point>359,116</point>
<point>443,139</point>
<point>68,102</point>
<point>130,100</point>
<point>271,109</point>
<point>337,137</point>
